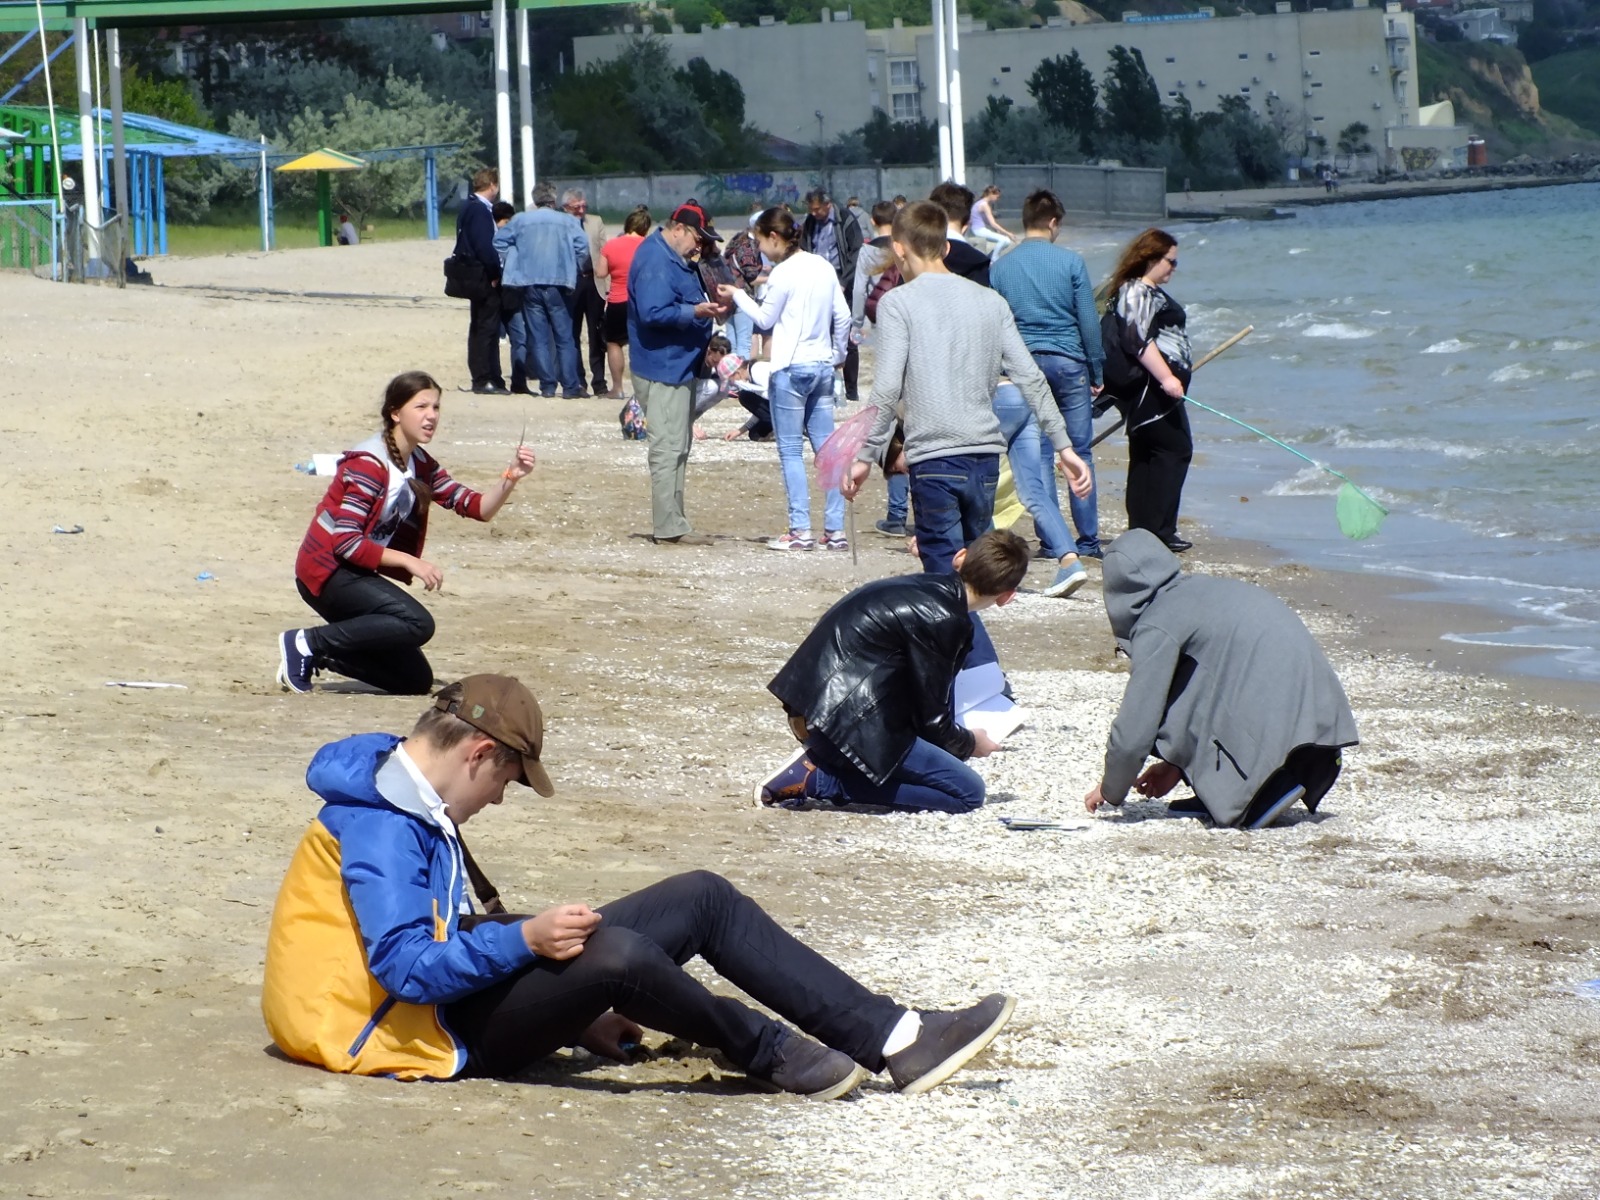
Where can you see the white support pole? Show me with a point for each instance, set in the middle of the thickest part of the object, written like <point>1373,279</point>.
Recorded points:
<point>958,132</point>
<point>119,143</point>
<point>525,105</point>
<point>264,182</point>
<point>942,87</point>
<point>83,45</point>
<point>502,95</point>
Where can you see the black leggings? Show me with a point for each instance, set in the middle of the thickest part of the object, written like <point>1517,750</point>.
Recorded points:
<point>1158,463</point>
<point>376,632</point>
<point>633,964</point>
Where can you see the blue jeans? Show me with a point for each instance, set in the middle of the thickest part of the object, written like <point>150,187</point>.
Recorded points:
<point>740,326</point>
<point>953,502</point>
<point>802,408</point>
<point>517,330</point>
<point>928,779</point>
<point>1069,383</point>
<point>899,499</point>
<point>1025,447</point>
<point>548,312</point>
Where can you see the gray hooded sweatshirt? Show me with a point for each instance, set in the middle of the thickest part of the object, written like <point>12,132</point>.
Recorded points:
<point>1225,682</point>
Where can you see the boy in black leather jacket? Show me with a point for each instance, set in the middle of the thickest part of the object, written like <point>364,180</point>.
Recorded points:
<point>868,692</point>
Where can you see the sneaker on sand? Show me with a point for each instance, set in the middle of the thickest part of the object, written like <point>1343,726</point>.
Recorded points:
<point>948,1041</point>
<point>786,787</point>
<point>294,668</point>
<point>793,540</point>
<point>810,1069</point>
<point>835,541</point>
<point>1068,580</point>
<point>892,529</point>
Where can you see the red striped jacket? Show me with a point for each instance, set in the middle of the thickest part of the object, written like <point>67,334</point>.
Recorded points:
<point>353,505</point>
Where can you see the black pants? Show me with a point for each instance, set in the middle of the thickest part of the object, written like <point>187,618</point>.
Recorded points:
<point>483,341</point>
<point>759,407</point>
<point>633,963</point>
<point>376,632</point>
<point>589,308</point>
<point>1158,462</point>
<point>1315,768</point>
<point>852,371</point>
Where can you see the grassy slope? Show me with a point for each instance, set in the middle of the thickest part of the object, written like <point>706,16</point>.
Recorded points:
<point>1444,67</point>
<point>1569,85</point>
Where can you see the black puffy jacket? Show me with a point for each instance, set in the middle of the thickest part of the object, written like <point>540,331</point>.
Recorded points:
<point>877,671</point>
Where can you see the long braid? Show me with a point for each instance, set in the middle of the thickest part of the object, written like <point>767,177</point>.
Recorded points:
<point>401,389</point>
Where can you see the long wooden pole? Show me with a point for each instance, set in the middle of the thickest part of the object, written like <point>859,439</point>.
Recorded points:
<point>1231,342</point>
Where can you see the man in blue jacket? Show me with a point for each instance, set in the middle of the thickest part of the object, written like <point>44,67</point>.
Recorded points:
<point>475,240</point>
<point>547,251</point>
<point>377,965</point>
<point>669,327</point>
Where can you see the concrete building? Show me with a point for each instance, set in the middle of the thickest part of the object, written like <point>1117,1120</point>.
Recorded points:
<point>1310,73</point>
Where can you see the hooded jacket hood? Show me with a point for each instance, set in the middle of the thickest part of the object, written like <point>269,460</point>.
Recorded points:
<point>1137,567</point>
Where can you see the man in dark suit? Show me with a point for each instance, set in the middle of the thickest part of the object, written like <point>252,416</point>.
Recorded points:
<point>963,258</point>
<point>475,239</point>
<point>836,237</point>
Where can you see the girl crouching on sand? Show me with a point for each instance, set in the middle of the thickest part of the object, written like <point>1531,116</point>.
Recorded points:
<point>372,522</point>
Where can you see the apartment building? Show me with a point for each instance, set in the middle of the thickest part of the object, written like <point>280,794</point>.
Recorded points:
<point>1312,73</point>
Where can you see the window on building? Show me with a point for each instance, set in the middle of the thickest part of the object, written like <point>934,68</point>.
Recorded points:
<point>1245,90</point>
<point>1314,53</point>
<point>1244,56</point>
<point>1319,118</point>
<point>1316,85</point>
<point>1171,59</point>
<point>1172,95</point>
<point>903,72</point>
<point>1005,70</point>
<point>907,106</point>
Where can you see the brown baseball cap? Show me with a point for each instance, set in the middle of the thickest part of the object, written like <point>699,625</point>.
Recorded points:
<point>503,708</point>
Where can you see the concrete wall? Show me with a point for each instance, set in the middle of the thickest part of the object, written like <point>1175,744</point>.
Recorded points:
<point>729,196</point>
<point>789,73</point>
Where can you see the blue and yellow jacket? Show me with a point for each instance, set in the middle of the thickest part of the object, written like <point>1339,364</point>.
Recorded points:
<point>365,943</point>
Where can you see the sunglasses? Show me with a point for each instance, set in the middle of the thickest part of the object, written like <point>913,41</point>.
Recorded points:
<point>1172,261</point>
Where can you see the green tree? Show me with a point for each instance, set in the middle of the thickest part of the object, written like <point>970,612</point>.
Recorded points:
<point>1353,140</point>
<point>405,115</point>
<point>1065,91</point>
<point>1132,101</point>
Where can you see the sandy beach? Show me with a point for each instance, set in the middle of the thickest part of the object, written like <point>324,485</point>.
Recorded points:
<point>1379,1001</point>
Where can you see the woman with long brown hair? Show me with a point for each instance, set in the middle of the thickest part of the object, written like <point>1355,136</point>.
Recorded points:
<point>372,522</point>
<point>1152,333</point>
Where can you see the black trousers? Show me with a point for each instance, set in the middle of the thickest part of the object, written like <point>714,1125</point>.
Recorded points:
<point>759,407</point>
<point>1158,463</point>
<point>852,371</point>
<point>483,341</point>
<point>375,631</point>
<point>589,309</point>
<point>633,963</point>
<point>1315,768</point>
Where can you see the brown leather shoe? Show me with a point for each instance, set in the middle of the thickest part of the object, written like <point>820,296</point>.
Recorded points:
<point>684,539</point>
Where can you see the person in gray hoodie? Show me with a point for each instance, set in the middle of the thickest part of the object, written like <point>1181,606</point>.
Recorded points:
<point>1227,689</point>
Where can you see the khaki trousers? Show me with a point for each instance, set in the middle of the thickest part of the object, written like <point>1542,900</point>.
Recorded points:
<point>670,430</point>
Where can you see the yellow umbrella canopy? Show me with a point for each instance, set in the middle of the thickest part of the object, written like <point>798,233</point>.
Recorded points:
<point>323,162</point>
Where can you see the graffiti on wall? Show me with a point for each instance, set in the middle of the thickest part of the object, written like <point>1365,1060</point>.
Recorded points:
<point>736,191</point>
<point>1419,158</point>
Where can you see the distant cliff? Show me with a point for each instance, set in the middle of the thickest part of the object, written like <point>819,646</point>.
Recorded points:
<point>1494,91</point>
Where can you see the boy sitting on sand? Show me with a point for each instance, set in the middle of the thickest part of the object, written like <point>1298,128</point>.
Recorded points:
<point>869,691</point>
<point>376,964</point>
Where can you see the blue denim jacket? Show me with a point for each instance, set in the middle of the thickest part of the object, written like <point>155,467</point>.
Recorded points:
<point>542,247</point>
<point>668,342</point>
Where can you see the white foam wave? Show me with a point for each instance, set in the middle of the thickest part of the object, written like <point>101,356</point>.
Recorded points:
<point>1295,320</point>
<point>1310,481</point>
<point>1350,441</point>
<point>1339,331</point>
<point>1568,344</point>
<point>1382,312</point>
<point>1300,250</point>
<point>1455,577</point>
<point>1515,373</point>
<point>1449,346</point>
<point>1580,375</point>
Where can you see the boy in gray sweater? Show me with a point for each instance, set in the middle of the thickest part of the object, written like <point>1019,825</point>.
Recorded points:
<point>943,344</point>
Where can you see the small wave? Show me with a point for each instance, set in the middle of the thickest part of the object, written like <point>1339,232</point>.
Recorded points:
<point>1300,250</point>
<point>1568,344</point>
<point>1449,346</point>
<point>1310,481</point>
<point>1515,373</point>
<point>1381,312</point>
<point>1453,577</point>
<point>1349,441</point>
<point>1579,375</point>
<point>1339,331</point>
<point>1295,320</point>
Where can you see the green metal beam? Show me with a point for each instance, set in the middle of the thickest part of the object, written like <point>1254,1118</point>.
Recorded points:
<point>18,16</point>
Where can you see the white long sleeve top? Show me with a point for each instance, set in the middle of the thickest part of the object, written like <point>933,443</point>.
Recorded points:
<point>804,308</point>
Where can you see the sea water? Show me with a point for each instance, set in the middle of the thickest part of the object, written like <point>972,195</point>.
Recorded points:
<point>1444,352</point>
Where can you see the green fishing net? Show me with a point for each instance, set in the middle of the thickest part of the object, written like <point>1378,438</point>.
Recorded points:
<point>1360,516</point>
